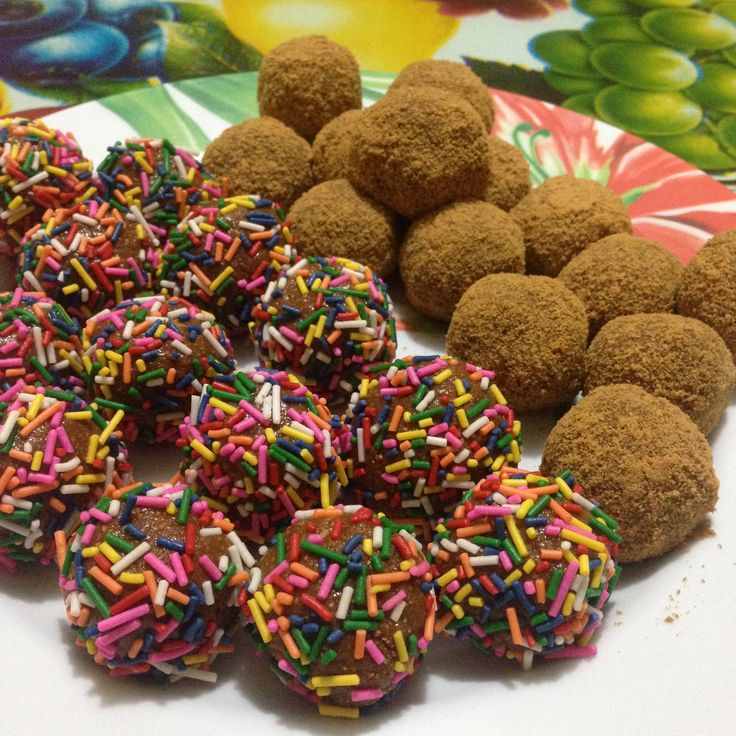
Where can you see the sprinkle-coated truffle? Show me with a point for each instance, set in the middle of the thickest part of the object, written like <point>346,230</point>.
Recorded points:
<point>344,608</point>
<point>153,581</point>
<point>148,357</point>
<point>261,446</point>
<point>425,429</point>
<point>523,567</point>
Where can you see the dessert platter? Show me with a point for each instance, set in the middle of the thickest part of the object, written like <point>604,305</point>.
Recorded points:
<point>663,643</point>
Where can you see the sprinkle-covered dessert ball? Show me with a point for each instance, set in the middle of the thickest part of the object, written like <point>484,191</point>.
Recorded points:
<point>708,287</point>
<point>264,156</point>
<point>523,567</point>
<point>58,455</point>
<point>163,181</point>
<point>344,608</point>
<point>39,342</point>
<point>41,169</point>
<point>222,256</point>
<point>306,82</point>
<point>153,582</point>
<point>91,257</point>
<point>424,430</point>
<point>418,149</point>
<point>563,216</point>
<point>450,76</point>
<point>621,274</point>
<point>447,250</point>
<point>148,357</point>
<point>331,147</point>
<point>337,219</point>
<point>531,329</point>
<point>679,358</point>
<point>261,446</point>
<point>508,174</point>
<point>325,319</point>
<point>645,461</point>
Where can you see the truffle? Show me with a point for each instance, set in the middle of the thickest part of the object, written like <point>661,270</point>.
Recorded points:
<point>418,149</point>
<point>264,446</point>
<point>708,287</point>
<point>262,156</point>
<point>446,251</point>
<point>148,357</point>
<point>331,147</point>
<point>353,611</point>
<point>42,169</point>
<point>222,257</point>
<point>58,455</point>
<point>450,76</point>
<point>678,358</point>
<point>153,582</point>
<point>563,216</point>
<point>508,176</point>
<point>325,319</point>
<point>98,254</point>
<point>335,219</point>
<point>306,82</point>
<point>643,459</point>
<point>39,342</point>
<point>621,274</point>
<point>425,430</point>
<point>159,179</point>
<point>531,329</point>
<point>523,567</point>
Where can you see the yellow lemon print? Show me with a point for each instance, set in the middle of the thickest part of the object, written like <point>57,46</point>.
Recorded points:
<point>4,101</point>
<point>384,35</point>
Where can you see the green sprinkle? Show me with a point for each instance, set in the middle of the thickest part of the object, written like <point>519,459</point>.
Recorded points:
<point>542,503</point>
<point>359,595</point>
<point>554,584</point>
<point>435,411</point>
<point>118,543</point>
<point>300,640</point>
<point>280,548</point>
<point>97,599</point>
<point>225,579</point>
<point>359,625</point>
<point>186,502</point>
<point>493,626</point>
<point>326,552</point>
<point>318,643</point>
<point>328,656</point>
<point>361,614</point>
<point>173,610</point>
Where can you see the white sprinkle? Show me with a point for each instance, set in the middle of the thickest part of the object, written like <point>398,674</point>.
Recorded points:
<point>344,604</point>
<point>127,560</point>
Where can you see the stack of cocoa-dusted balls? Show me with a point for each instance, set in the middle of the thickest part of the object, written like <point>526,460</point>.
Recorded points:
<point>347,501</point>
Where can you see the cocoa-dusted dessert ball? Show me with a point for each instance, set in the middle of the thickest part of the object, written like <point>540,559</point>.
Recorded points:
<point>58,455</point>
<point>447,250</point>
<point>708,287</point>
<point>39,342</point>
<point>678,358</point>
<point>334,218</point>
<point>508,176</point>
<point>153,582</point>
<point>523,567</point>
<point>326,319</point>
<point>306,82</point>
<point>331,147</point>
<point>91,257</point>
<point>425,429</point>
<point>565,215</point>
<point>148,357</point>
<point>261,446</point>
<point>450,76</point>
<point>351,610</point>
<point>531,329</point>
<point>643,459</point>
<point>418,149</point>
<point>621,274</point>
<point>262,156</point>
<point>221,257</point>
<point>41,169</point>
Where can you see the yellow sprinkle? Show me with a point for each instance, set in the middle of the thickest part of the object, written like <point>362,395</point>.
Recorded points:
<point>564,488</point>
<point>569,555</point>
<point>89,282</point>
<point>37,460</point>
<point>89,551</point>
<point>131,578</point>
<point>289,431</point>
<point>462,400</point>
<point>90,478</point>
<point>262,601</point>
<point>516,430</point>
<point>34,407</point>
<point>567,605</point>
<point>515,536</point>
<point>269,591</point>
<point>335,680</point>
<point>320,326</point>
<point>227,408</point>
<point>457,611</point>
<point>78,415</point>
<point>191,659</point>
<point>114,357</point>
<point>476,601</point>
<point>213,503</point>
<point>463,593</point>
<point>512,576</point>
<point>367,546</point>
<point>302,285</point>
<point>528,566</point>
<point>221,278</point>
<point>109,552</point>
<point>204,451</point>
<point>337,711</point>
<point>400,465</point>
<point>576,538</point>
<point>383,588</point>
<point>111,425</point>
<point>400,646</point>
<point>259,620</point>
<point>597,576</point>
<point>442,376</point>
<point>296,499</point>
<point>584,565</point>
<point>407,564</point>
<point>523,509</point>
<point>70,289</point>
<point>532,533</point>
<point>325,496</point>
<point>94,441</point>
<point>580,524</point>
<point>447,578</point>
<point>497,394</point>
<point>462,417</point>
<point>426,422</point>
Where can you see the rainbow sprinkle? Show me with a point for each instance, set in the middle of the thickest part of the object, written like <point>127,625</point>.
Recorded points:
<point>524,566</point>
<point>153,581</point>
<point>325,319</point>
<point>261,447</point>
<point>425,429</point>
<point>40,169</point>
<point>223,255</point>
<point>343,604</point>
<point>57,456</point>
<point>148,357</point>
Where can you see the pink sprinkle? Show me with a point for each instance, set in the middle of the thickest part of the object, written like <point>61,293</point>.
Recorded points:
<point>112,622</point>
<point>359,696</point>
<point>174,653</point>
<point>394,600</point>
<point>328,581</point>
<point>552,530</point>
<point>287,667</point>
<point>374,652</point>
<point>315,538</point>
<point>118,633</point>
<point>160,567</point>
<point>262,464</point>
<point>281,568</point>
<point>156,502</point>
<point>570,573</point>
<point>419,569</point>
<point>572,653</point>
<point>89,532</point>
<point>96,513</point>
<point>171,627</point>
<point>181,573</point>
<point>209,567</point>
<point>453,586</point>
<point>298,581</point>
<point>485,510</point>
<point>529,588</point>
<point>505,560</point>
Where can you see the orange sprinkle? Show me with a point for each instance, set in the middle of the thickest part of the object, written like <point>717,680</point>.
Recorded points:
<point>467,567</point>
<point>541,590</point>
<point>513,620</point>
<point>135,647</point>
<point>393,424</point>
<point>359,649</point>
<point>304,571</point>
<point>105,580</point>
<point>472,531</point>
<point>389,578</point>
<point>551,554</point>
<point>559,511</point>
<point>177,596</point>
<point>290,644</point>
